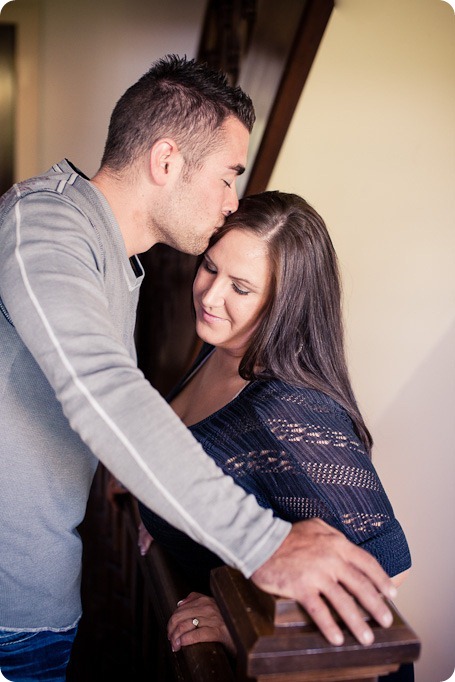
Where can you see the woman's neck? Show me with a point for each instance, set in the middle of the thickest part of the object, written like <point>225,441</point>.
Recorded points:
<point>225,363</point>
<point>212,387</point>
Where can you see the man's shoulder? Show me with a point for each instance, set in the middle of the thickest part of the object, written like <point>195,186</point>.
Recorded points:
<point>56,179</point>
<point>63,185</point>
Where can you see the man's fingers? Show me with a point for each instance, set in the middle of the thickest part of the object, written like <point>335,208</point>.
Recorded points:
<point>368,596</point>
<point>320,614</point>
<point>316,562</point>
<point>372,572</point>
<point>345,599</point>
<point>348,610</point>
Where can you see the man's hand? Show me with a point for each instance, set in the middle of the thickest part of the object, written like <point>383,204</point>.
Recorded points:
<point>315,560</point>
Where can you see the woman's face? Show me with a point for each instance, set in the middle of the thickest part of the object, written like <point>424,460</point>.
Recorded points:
<point>231,289</point>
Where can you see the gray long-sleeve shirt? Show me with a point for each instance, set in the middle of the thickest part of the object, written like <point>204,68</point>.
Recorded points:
<point>71,393</point>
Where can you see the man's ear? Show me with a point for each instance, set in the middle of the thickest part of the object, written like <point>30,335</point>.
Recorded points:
<point>165,160</point>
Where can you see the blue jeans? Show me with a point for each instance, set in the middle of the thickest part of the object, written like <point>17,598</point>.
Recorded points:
<point>30,656</point>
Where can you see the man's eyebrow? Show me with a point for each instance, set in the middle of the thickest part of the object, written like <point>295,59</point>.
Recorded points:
<point>239,169</point>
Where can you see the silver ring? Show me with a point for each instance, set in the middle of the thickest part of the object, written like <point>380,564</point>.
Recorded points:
<point>195,622</point>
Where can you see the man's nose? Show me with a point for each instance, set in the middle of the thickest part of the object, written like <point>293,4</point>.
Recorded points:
<point>231,203</point>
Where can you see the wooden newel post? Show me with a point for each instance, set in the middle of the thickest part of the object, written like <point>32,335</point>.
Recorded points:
<point>276,641</point>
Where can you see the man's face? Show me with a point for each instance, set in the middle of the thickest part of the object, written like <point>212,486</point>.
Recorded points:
<point>199,204</point>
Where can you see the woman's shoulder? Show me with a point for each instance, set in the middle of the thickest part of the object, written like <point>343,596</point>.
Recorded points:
<point>293,412</point>
<point>281,395</point>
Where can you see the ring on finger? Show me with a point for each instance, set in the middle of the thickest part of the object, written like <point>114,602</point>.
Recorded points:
<point>195,622</point>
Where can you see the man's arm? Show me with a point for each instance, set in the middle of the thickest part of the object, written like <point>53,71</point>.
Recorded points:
<point>69,289</point>
<point>51,282</point>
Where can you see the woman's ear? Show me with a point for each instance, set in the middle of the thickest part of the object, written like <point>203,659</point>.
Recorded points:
<point>165,159</point>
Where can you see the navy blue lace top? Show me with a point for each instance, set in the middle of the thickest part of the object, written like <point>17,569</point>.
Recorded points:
<point>296,450</point>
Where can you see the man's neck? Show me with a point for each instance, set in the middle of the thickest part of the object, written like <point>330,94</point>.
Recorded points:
<point>123,196</point>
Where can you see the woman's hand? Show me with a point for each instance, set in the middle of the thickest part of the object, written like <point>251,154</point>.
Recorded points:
<point>210,626</point>
<point>144,539</point>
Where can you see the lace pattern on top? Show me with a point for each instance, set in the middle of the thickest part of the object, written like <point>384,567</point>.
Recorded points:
<point>296,450</point>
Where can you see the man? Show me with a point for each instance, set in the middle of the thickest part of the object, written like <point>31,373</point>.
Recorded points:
<point>72,393</point>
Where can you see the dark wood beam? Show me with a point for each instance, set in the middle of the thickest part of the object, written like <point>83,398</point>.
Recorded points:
<point>313,23</point>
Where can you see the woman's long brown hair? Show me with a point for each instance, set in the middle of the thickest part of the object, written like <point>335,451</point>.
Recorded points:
<point>300,337</point>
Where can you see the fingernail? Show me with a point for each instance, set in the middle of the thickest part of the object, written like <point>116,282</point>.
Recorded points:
<point>367,637</point>
<point>179,603</point>
<point>393,592</point>
<point>386,620</point>
<point>338,640</point>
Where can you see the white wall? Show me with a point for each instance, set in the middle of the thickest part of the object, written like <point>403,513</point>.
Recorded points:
<point>86,54</point>
<point>372,147</point>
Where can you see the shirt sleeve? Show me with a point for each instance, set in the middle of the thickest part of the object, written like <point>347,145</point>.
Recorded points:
<point>52,283</point>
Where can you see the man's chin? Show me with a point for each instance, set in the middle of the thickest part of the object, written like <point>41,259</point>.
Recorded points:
<point>203,246</point>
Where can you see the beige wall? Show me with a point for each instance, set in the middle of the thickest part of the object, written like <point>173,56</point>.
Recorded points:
<point>25,14</point>
<point>372,146</point>
<point>76,59</point>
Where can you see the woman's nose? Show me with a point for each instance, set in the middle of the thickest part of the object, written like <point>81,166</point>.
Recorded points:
<point>213,296</point>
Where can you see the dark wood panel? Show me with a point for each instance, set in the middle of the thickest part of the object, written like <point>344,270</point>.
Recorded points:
<point>165,331</point>
<point>313,23</point>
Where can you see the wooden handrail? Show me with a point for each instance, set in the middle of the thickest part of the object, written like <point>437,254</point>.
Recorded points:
<point>164,586</point>
<point>277,642</point>
<point>275,639</point>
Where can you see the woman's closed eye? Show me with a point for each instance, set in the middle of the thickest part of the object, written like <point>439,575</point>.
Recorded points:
<point>209,267</point>
<point>238,290</point>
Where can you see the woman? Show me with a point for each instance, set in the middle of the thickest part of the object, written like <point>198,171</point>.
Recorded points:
<point>269,396</point>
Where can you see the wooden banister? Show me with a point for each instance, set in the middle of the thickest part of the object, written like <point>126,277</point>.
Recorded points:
<point>276,641</point>
<point>163,587</point>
